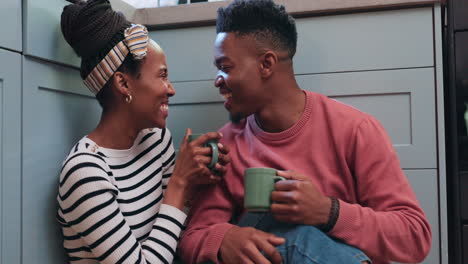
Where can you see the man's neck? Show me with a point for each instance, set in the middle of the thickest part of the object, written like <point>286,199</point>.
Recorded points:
<point>283,112</point>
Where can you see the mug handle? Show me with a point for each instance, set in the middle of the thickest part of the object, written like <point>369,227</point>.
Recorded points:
<point>278,178</point>
<point>214,153</point>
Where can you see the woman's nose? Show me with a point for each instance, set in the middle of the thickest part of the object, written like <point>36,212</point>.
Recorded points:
<point>170,89</point>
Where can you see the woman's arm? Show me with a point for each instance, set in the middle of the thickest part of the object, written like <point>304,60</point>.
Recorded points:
<point>88,206</point>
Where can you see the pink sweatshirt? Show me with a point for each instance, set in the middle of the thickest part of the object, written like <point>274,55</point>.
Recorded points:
<point>348,155</point>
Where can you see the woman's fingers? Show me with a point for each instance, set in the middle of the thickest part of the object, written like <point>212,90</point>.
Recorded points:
<point>188,132</point>
<point>223,148</point>
<point>200,141</point>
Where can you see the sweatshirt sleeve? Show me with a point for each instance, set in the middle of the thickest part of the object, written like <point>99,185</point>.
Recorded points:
<point>88,205</point>
<point>208,222</point>
<point>388,222</point>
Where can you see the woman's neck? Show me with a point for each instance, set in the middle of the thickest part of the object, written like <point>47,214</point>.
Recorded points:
<point>115,131</point>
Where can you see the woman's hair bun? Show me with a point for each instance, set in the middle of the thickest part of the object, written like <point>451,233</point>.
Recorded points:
<point>89,26</point>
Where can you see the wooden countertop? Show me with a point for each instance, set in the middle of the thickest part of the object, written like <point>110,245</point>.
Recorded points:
<point>205,13</point>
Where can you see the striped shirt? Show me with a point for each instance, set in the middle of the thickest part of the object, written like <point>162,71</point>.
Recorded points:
<point>110,202</point>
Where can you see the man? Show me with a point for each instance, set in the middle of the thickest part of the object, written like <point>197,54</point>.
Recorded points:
<point>345,190</point>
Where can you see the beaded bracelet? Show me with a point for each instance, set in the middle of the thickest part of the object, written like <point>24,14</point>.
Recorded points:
<point>333,217</point>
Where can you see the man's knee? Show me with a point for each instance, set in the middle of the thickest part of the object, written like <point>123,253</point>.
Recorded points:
<point>310,245</point>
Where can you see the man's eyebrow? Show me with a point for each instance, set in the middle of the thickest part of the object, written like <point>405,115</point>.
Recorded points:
<point>219,60</point>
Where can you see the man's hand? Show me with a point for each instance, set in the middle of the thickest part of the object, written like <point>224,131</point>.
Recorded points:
<point>297,200</point>
<point>243,245</point>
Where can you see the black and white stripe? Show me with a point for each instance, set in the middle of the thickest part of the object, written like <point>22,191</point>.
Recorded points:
<point>110,202</point>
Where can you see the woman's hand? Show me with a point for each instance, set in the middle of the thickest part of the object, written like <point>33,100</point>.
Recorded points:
<point>191,168</point>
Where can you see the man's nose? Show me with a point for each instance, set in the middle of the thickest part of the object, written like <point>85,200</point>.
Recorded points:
<point>218,81</point>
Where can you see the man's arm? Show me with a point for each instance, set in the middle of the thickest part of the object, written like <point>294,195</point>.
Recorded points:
<point>209,236</point>
<point>208,222</point>
<point>388,222</point>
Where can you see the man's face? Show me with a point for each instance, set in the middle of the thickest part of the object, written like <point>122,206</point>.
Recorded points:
<point>238,77</point>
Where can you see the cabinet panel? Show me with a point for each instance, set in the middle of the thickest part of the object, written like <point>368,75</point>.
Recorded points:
<point>462,190</point>
<point>201,118</point>
<point>460,10</point>
<point>55,116</point>
<point>402,100</point>
<point>43,36</point>
<point>10,157</point>
<point>351,42</point>
<point>11,30</point>
<point>465,244</point>
<point>425,186</point>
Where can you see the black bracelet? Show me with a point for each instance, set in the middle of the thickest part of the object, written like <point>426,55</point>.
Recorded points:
<point>333,217</point>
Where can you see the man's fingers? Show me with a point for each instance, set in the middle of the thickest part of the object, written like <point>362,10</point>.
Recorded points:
<point>275,240</point>
<point>288,174</point>
<point>284,196</point>
<point>291,175</point>
<point>254,254</point>
<point>287,185</point>
<point>268,247</point>
<point>278,209</point>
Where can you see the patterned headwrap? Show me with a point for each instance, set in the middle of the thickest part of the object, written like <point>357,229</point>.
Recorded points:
<point>135,42</point>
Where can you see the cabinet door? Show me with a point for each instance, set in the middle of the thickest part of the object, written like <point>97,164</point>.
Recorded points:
<point>42,33</point>
<point>10,163</point>
<point>402,100</point>
<point>425,186</point>
<point>57,111</point>
<point>11,29</point>
<point>460,11</point>
<point>465,245</point>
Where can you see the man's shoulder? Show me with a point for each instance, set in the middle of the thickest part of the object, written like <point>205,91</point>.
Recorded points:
<point>337,109</point>
<point>230,130</point>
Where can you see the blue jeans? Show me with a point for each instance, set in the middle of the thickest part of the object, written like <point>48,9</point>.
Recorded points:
<point>304,244</point>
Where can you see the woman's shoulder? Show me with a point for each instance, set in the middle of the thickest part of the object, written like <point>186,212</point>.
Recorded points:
<point>153,136</point>
<point>84,155</point>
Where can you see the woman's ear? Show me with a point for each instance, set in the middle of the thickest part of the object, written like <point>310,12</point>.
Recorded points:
<point>120,82</point>
<point>268,63</point>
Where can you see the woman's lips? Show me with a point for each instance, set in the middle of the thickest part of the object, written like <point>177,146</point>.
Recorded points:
<point>164,109</point>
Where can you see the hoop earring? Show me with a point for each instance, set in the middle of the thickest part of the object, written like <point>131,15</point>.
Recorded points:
<point>128,98</point>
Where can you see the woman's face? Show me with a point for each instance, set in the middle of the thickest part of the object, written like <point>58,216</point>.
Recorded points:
<point>151,91</point>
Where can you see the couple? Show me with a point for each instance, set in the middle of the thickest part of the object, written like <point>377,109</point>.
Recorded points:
<point>123,192</point>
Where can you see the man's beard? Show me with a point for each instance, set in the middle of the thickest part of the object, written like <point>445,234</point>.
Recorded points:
<point>236,118</point>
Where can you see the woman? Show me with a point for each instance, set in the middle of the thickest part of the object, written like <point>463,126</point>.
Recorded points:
<point>111,203</point>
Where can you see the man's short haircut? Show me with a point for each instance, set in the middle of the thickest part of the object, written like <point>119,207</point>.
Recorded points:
<point>266,21</point>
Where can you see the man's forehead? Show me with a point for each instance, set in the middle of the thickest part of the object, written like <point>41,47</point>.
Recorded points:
<point>222,39</point>
<point>231,41</point>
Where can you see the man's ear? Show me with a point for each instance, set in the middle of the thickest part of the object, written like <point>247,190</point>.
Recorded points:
<point>121,84</point>
<point>268,62</point>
